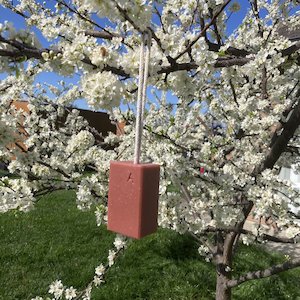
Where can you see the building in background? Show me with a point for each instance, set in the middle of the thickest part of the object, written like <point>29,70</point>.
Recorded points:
<point>100,124</point>
<point>291,175</point>
<point>98,120</point>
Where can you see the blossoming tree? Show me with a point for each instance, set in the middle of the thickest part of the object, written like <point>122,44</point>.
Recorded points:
<point>247,82</point>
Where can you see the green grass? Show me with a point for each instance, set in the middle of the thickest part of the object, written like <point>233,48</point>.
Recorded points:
<point>56,241</point>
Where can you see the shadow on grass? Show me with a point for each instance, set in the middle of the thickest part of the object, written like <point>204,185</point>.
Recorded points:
<point>56,241</point>
<point>157,268</point>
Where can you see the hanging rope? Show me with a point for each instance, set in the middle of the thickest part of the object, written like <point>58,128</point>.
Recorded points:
<point>142,89</point>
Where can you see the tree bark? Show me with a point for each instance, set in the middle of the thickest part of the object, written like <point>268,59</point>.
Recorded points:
<point>223,265</point>
<point>222,291</point>
<point>288,265</point>
<point>224,256</point>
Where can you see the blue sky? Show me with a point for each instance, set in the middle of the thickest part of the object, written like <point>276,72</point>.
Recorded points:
<point>52,78</point>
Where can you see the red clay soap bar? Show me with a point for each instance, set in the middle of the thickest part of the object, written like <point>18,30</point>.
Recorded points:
<point>133,198</point>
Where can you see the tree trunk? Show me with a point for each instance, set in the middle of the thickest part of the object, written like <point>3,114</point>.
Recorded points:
<point>224,255</point>
<point>222,292</point>
<point>223,264</point>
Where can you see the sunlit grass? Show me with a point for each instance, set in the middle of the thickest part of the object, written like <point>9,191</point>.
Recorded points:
<point>57,241</point>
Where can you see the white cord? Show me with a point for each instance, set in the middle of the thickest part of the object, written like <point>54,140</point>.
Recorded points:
<point>142,89</point>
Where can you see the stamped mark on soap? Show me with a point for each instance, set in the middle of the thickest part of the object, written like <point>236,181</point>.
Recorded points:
<point>130,177</point>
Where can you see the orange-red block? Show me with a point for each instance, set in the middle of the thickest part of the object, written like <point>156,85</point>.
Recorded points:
<point>133,198</point>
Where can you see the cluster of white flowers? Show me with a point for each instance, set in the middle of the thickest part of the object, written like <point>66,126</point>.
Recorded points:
<point>16,194</point>
<point>138,10</point>
<point>204,251</point>
<point>75,52</point>
<point>90,191</point>
<point>102,56</point>
<point>80,142</point>
<point>101,214</point>
<point>100,271</point>
<point>102,90</point>
<point>59,291</point>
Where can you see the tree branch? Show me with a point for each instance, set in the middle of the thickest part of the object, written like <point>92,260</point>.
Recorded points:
<point>281,142</point>
<point>204,241</point>
<point>271,238</point>
<point>23,50</point>
<point>229,51</point>
<point>265,273</point>
<point>81,16</point>
<point>125,15</point>
<point>101,34</point>
<point>203,31</point>
<point>290,50</point>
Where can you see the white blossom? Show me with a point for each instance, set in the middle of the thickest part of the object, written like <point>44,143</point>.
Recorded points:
<point>102,90</point>
<point>100,270</point>
<point>57,289</point>
<point>70,293</point>
<point>111,257</point>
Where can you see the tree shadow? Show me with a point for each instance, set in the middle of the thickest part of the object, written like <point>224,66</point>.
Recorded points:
<point>178,247</point>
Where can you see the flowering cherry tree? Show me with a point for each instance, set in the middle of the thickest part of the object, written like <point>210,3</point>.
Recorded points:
<point>247,83</point>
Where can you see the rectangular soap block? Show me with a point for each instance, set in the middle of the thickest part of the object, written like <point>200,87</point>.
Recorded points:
<point>133,198</point>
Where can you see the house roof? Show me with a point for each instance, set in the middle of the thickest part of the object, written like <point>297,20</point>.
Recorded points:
<point>97,120</point>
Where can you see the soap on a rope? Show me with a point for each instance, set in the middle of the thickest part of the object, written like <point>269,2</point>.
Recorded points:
<point>133,198</point>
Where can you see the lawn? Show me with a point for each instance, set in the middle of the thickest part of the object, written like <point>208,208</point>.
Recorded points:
<point>57,241</point>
